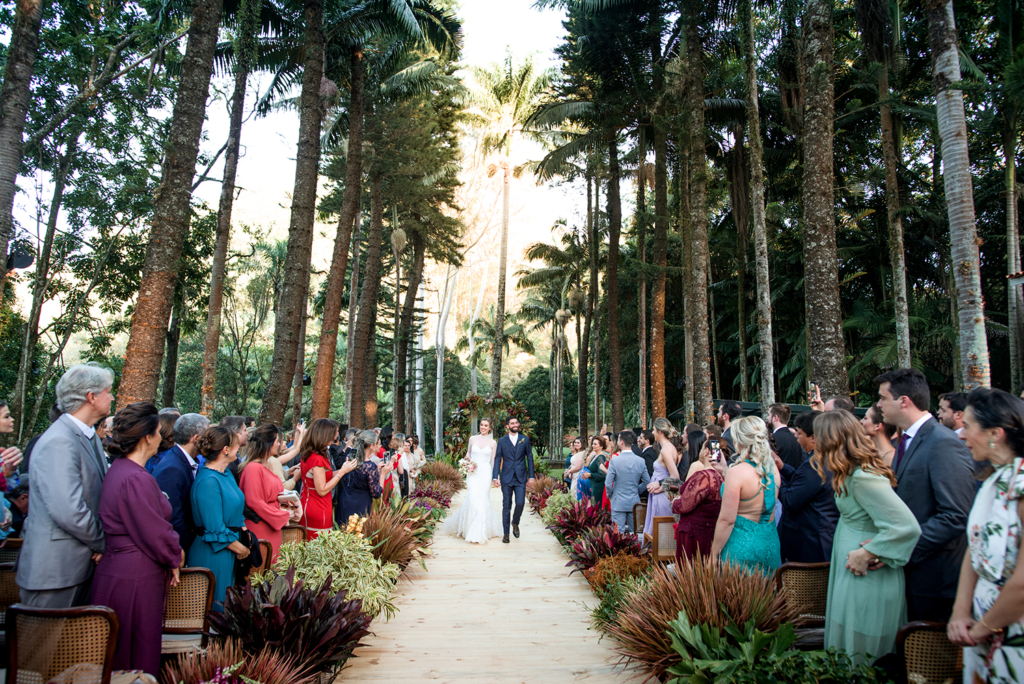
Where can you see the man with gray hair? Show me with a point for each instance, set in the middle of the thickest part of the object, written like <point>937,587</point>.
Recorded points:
<point>176,472</point>
<point>63,535</point>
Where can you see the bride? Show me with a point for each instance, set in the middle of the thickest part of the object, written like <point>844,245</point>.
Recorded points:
<point>476,520</point>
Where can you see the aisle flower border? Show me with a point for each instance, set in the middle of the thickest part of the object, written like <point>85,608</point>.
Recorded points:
<point>496,407</point>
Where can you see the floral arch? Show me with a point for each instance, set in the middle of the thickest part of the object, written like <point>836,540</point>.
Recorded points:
<point>496,407</point>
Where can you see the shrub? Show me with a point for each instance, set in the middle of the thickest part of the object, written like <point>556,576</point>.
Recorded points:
<point>444,475</point>
<point>712,593</point>
<point>432,492</point>
<point>610,599</point>
<point>556,503</point>
<point>226,662</point>
<point>577,519</point>
<point>598,543</point>
<point>748,655</point>
<point>538,492</point>
<point>621,566</point>
<point>348,561</point>
<point>320,626</point>
<point>396,533</point>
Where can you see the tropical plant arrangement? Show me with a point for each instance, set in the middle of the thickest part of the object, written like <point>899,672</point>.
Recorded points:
<point>573,521</point>
<point>556,503</point>
<point>496,407</point>
<point>225,661</point>
<point>620,567</point>
<point>348,561</point>
<point>601,542</point>
<point>539,491</point>
<point>442,477</point>
<point>433,494</point>
<point>398,534</point>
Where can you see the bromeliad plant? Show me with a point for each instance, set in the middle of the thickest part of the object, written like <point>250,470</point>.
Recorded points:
<point>227,662</point>
<point>538,492</point>
<point>442,477</point>
<point>598,543</point>
<point>573,521</point>
<point>319,626</point>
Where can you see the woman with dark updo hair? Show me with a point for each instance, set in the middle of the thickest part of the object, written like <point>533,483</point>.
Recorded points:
<point>142,547</point>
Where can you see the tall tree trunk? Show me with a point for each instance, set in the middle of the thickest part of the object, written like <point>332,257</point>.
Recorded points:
<point>597,311</point>
<point>173,340</point>
<point>171,211</point>
<point>892,205</point>
<point>419,390</point>
<point>223,240</point>
<point>300,228</point>
<point>739,196</point>
<point>713,318</point>
<point>405,326</point>
<point>641,235</point>
<point>1013,260</point>
<point>353,299</point>
<point>40,282</point>
<point>472,339</point>
<point>612,298</point>
<point>583,360</point>
<point>396,418</point>
<point>14,103</point>
<point>300,364</point>
<point>439,349</point>
<point>686,233</point>
<point>365,343</point>
<point>702,396</point>
<point>659,400</point>
<point>499,307</point>
<point>764,297</point>
<point>826,351</point>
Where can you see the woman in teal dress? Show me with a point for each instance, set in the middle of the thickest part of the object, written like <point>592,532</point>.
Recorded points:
<point>217,505</point>
<point>592,476</point>
<point>745,533</point>
<point>874,538</point>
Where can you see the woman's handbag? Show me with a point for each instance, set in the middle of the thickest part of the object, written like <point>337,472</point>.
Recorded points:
<point>255,558</point>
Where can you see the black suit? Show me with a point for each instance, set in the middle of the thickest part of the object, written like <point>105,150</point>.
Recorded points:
<point>788,447</point>
<point>650,457</point>
<point>513,467</point>
<point>935,481</point>
<point>809,514</point>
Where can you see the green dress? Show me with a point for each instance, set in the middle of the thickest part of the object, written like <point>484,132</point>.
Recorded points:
<point>864,613</point>
<point>597,477</point>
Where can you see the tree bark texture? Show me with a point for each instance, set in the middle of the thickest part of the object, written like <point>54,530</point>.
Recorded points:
<point>685,230</point>
<point>439,349</point>
<point>173,340</point>
<point>738,172</point>
<point>641,239</point>
<point>223,240</point>
<point>821,267</point>
<point>171,211</point>
<point>583,362</point>
<point>300,364</point>
<point>365,343</point>
<point>353,302</point>
<point>323,377</point>
<point>659,401</point>
<point>956,172</point>
<point>405,329</point>
<point>612,278</point>
<point>1013,260</point>
<point>300,229</point>
<point>14,103</point>
<point>499,307</point>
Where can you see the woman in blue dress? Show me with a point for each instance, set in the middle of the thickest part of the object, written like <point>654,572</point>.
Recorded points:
<point>217,505</point>
<point>745,533</point>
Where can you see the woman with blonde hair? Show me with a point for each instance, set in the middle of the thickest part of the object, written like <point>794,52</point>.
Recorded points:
<point>874,538</point>
<point>745,533</point>
<point>667,465</point>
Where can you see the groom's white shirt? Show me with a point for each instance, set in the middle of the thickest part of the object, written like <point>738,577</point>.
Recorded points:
<point>513,437</point>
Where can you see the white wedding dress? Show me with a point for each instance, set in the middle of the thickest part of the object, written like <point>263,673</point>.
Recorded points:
<point>476,520</point>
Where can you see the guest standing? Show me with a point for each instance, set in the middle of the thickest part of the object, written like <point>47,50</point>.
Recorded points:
<point>809,513</point>
<point>698,505</point>
<point>176,472</point>
<point>318,479</point>
<point>364,483</point>
<point>261,487</point>
<point>729,412</point>
<point>874,539</point>
<point>788,448</point>
<point>745,533</point>
<point>594,475</point>
<point>935,474</point>
<point>142,546</point>
<point>401,460</point>
<point>880,433</point>
<point>63,533</point>
<point>217,507</point>
<point>283,455</point>
<point>168,417</point>
<point>988,615</point>
<point>577,456</point>
<point>627,477</point>
<point>666,465</point>
<point>417,459</point>
<point>697,454</point>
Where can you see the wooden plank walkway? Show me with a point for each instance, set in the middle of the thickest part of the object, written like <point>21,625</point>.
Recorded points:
<point>494,613</point>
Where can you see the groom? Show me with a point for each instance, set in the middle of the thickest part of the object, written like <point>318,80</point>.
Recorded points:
<point>514,462</point>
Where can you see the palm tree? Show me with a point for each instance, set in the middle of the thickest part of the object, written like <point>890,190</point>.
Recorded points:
<point>484,338</point>
<point>508,94</point>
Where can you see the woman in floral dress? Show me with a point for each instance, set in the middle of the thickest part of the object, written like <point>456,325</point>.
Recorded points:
<point>988,616</point>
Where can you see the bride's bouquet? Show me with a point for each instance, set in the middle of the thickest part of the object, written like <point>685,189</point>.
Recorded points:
<point>466,466</point>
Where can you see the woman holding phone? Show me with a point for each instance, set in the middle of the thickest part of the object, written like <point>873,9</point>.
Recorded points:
<point>318,480</point>
<point>365,481</point>
<point>262,488</point>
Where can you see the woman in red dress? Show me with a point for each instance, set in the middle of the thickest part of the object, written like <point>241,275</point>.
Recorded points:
<point>318,480</point>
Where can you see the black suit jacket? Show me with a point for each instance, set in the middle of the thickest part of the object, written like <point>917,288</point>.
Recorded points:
<point>789,449</point>
<point>513,465</point>
<point>174,475</point>
<point>809,514</point>
<point>935,480</point>
<point>650,457</point>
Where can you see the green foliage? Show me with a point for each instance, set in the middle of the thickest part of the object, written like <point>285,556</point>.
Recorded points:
<point>600,542</point>
<point>556,503</point>
<point>611,596</point>
<point>534,391</point>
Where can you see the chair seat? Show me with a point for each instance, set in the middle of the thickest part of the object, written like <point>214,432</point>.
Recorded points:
<point>181,643</point>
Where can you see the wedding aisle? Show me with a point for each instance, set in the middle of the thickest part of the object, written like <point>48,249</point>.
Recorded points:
<point>492,613</point>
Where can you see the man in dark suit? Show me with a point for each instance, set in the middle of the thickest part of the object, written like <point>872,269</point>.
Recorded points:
<point>788,448</point>
<point>728,411</point>
<point>934,474</point>
<point>176,472</point>
<point>513,470</point>
<point>644,448</point>
<point>809,513</point>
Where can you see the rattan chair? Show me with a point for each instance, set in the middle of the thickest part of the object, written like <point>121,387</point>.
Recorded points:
<point>9,549</point>
<point>806,587</point>
<point>266,550</point>
<point>928,654</point>
<point>64,646</point>
<point>663,544</point>
<point>187,605</point>
<point>8,597</point>
<point>639,517</point>
<point>293,533</point>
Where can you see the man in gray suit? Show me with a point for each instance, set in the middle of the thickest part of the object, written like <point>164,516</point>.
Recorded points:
<point>627,478</point>
<point>934,475</point>
<point>63,535</point>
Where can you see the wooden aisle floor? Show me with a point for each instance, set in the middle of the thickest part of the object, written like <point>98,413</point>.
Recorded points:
<point>497,613</point>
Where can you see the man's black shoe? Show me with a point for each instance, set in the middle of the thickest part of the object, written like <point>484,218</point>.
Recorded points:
<point>515,531</point>
<point>504,540</point>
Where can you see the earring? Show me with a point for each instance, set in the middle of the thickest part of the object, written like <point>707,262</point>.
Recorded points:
<point>991,443</point>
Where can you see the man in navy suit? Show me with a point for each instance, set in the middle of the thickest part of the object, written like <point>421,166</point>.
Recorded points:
<point>513,470</point>
<point>809,512</point>
<point>176,472</point>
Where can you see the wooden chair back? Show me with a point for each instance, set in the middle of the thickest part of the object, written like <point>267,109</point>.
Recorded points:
<point>266,550</point>
<point>293,533</point>
<point>663,534</point>
<point>189,603</point>
<point>60,645</point>
<point>928,654</point>
<point>9,549</point>
<point>805,586</point>
<point>639,517</point>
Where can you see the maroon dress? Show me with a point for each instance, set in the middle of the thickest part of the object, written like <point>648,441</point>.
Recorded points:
<point>132,576</point>
<point>697,506</point>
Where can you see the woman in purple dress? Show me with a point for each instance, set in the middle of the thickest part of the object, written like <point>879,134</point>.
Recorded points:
<point>667,465</point>
<point>142,547</point>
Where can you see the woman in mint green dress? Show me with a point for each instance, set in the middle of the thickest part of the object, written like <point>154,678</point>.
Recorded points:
<point>745,533</point>
<point>874,538</point>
